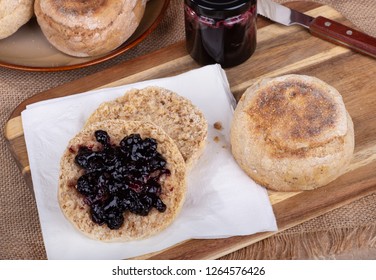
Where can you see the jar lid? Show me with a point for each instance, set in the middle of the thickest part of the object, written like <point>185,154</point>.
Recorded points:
<point>220,9</point>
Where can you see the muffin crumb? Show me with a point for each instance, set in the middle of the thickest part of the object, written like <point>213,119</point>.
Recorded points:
<point>218,126</point>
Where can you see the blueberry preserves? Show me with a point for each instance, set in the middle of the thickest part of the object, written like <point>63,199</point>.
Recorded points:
<point>221,31</point>
<point>121,178</point>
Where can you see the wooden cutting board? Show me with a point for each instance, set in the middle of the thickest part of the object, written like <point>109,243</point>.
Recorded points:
<point>280,50</point>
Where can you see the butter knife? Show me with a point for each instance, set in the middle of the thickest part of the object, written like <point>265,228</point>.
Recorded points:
<point>321,27</point>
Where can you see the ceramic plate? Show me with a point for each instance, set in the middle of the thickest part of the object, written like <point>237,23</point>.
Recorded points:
<point>29,50</point>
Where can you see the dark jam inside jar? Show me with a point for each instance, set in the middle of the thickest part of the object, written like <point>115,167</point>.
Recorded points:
<point>221,32</point>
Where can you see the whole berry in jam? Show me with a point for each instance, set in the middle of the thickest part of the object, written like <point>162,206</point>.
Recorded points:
<point>102,137</point>
<point>121,178</point>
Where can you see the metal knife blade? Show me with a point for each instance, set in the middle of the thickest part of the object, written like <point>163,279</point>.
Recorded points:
<point>321,27</point>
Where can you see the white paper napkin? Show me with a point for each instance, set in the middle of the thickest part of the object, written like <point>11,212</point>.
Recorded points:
<point>222,201</point>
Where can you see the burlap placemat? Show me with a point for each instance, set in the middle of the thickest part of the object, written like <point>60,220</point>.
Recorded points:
<point>350,227</point>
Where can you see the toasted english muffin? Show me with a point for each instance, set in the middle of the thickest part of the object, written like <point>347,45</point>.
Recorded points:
<point>173,186</point>
<point>292,133</point>
<point>176,115</point>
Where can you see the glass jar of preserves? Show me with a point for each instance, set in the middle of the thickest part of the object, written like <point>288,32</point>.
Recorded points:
<point>221,31</point>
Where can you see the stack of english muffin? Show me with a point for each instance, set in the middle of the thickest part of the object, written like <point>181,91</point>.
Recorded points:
<point>77,28</point>
<point>180,130</point>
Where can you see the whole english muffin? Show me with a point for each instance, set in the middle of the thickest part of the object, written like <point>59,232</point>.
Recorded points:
<point>88,28</point>
<point>75,205</point>
<point>13,15</point>
<point>182,120</point>
<point>292,133</point>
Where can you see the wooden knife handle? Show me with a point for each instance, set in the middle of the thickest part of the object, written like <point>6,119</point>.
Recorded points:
<point>340,34</point>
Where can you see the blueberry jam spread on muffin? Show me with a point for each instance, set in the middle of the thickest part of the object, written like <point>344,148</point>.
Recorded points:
<point>120,178</point>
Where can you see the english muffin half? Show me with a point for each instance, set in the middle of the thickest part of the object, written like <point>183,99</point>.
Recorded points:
<point>292,133</point>
<point>123,186</point>
<point>176,115</point>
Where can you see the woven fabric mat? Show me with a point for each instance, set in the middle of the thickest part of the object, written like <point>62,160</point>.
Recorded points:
<point>349,227</point>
